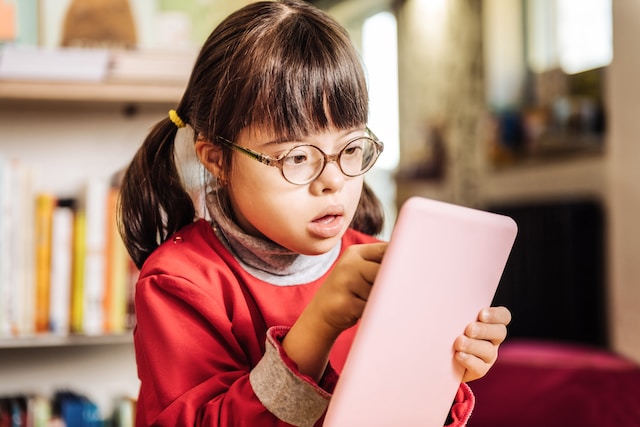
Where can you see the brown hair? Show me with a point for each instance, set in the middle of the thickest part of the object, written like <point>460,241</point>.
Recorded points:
<point>282,64</point>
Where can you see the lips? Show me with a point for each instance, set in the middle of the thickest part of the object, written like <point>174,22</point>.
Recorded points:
<point>329,214</point>
<point>328,224</point>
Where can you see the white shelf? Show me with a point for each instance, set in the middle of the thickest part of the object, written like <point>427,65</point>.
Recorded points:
<point>584,176</point>
<point>137,92</point>
<point>47,340</point>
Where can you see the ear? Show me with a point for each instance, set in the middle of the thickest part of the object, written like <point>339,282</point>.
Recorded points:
<point>211,157</point>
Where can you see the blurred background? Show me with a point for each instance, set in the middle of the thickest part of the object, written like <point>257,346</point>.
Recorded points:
<point>523,107</point>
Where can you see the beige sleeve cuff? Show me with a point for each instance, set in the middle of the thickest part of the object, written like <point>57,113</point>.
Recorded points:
<point>286,393</point>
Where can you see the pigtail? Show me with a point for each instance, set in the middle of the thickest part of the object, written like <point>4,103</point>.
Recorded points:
<point>369,217</point>
<point>153,202</point>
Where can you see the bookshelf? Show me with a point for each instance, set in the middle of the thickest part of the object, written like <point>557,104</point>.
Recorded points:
<point>70,132</point>
<point>73,116</point>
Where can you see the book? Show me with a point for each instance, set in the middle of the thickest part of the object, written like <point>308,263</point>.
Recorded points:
<point>75,409</point>
<point>27,22</point>
<point>17,302</point>
<point>38,411</point>
<point>124,409</point>
<point>61,267</point>
<point>117,274</point>
<point>94,204</point>
<point>13,411</point>
<point>23,243</point>
<point>151,65</point>
<point>77,283</point>
<point>53,64</point>
<point>51,20</point>
<point>45,204</point>
<point>24,240</point>
<point>6,297</point>
<point>8,21</point>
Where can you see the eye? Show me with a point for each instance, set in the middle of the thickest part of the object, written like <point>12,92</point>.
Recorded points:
<point>353,149</point>
<point>297,156</point>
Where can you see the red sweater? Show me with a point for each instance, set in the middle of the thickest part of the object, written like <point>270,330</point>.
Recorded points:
<point>203,326</point>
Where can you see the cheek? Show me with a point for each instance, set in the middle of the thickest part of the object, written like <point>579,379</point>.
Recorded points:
<point>278,216</point>
<point>256,182</point>
<point>354,190</point>
<point>258,194</point>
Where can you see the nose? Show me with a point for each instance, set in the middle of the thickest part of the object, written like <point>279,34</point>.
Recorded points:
<point>331,178</point>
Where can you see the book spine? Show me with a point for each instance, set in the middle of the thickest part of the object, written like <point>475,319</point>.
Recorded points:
<point>61,267</point>
<point>16,249</point>
<point>115,298</point>
<point>95,205</point>
<point>77,284</point>
<point>6,288</point>
<point>45,204</point>
<point>24,244</point>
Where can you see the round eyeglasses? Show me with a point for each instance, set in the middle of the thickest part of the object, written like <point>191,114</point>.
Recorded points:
<point>305,162</point>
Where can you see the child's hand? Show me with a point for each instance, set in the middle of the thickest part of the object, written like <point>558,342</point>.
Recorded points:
<point>336,306</point>
<point>340,301</point>
<point>477,349</point>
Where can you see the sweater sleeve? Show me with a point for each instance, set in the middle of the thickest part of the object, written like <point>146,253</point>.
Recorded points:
<point>197,366</point>
<point>276,379</point>
<point>463,405</point>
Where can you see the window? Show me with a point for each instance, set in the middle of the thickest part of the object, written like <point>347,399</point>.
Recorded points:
<point>380,54</point>
<point>574,36</point>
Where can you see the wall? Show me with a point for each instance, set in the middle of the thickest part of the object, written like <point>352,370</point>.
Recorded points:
<point>67,142</point>
<point>624,178</point>
<point>441,89</point>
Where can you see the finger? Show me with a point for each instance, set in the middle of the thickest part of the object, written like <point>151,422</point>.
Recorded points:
<point>369,271</point>
<point>495,315</point>
<point>483,350</point>
<point>373,251</point>
<point>371,256</point>
<point>492,332</point>
<point>474,367</point>
<point>362,288</point>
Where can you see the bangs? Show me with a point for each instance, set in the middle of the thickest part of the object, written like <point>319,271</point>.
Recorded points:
<point>303,77</point>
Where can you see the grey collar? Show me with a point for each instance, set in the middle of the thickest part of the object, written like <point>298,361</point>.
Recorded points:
<point>265,259</point>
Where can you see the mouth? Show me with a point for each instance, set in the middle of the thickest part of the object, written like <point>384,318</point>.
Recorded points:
<point>328,224</point>
<point>326,218</point>
<point>328,215</point>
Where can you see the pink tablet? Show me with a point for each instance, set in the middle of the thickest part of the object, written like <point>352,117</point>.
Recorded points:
<point>442,266</point>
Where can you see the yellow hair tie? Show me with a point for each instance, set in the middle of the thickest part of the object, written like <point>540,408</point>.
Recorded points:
<point>175,118</point>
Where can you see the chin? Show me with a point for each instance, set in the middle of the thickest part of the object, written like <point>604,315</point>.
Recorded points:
<point>323,246</point>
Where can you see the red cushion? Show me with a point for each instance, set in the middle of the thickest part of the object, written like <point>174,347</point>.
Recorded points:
<point>535,384</point>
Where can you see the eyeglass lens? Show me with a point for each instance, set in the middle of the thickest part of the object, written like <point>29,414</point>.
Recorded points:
<point>305,162</point>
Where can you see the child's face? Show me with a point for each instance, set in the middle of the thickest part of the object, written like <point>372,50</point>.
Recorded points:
<point>308,219</point>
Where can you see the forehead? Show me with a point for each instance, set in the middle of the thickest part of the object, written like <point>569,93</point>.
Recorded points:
<point>266,136</point>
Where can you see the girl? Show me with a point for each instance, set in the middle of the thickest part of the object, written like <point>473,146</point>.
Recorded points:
<point>245,316</point>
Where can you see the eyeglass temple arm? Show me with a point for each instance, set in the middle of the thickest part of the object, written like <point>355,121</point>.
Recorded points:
<point>254,155</point>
